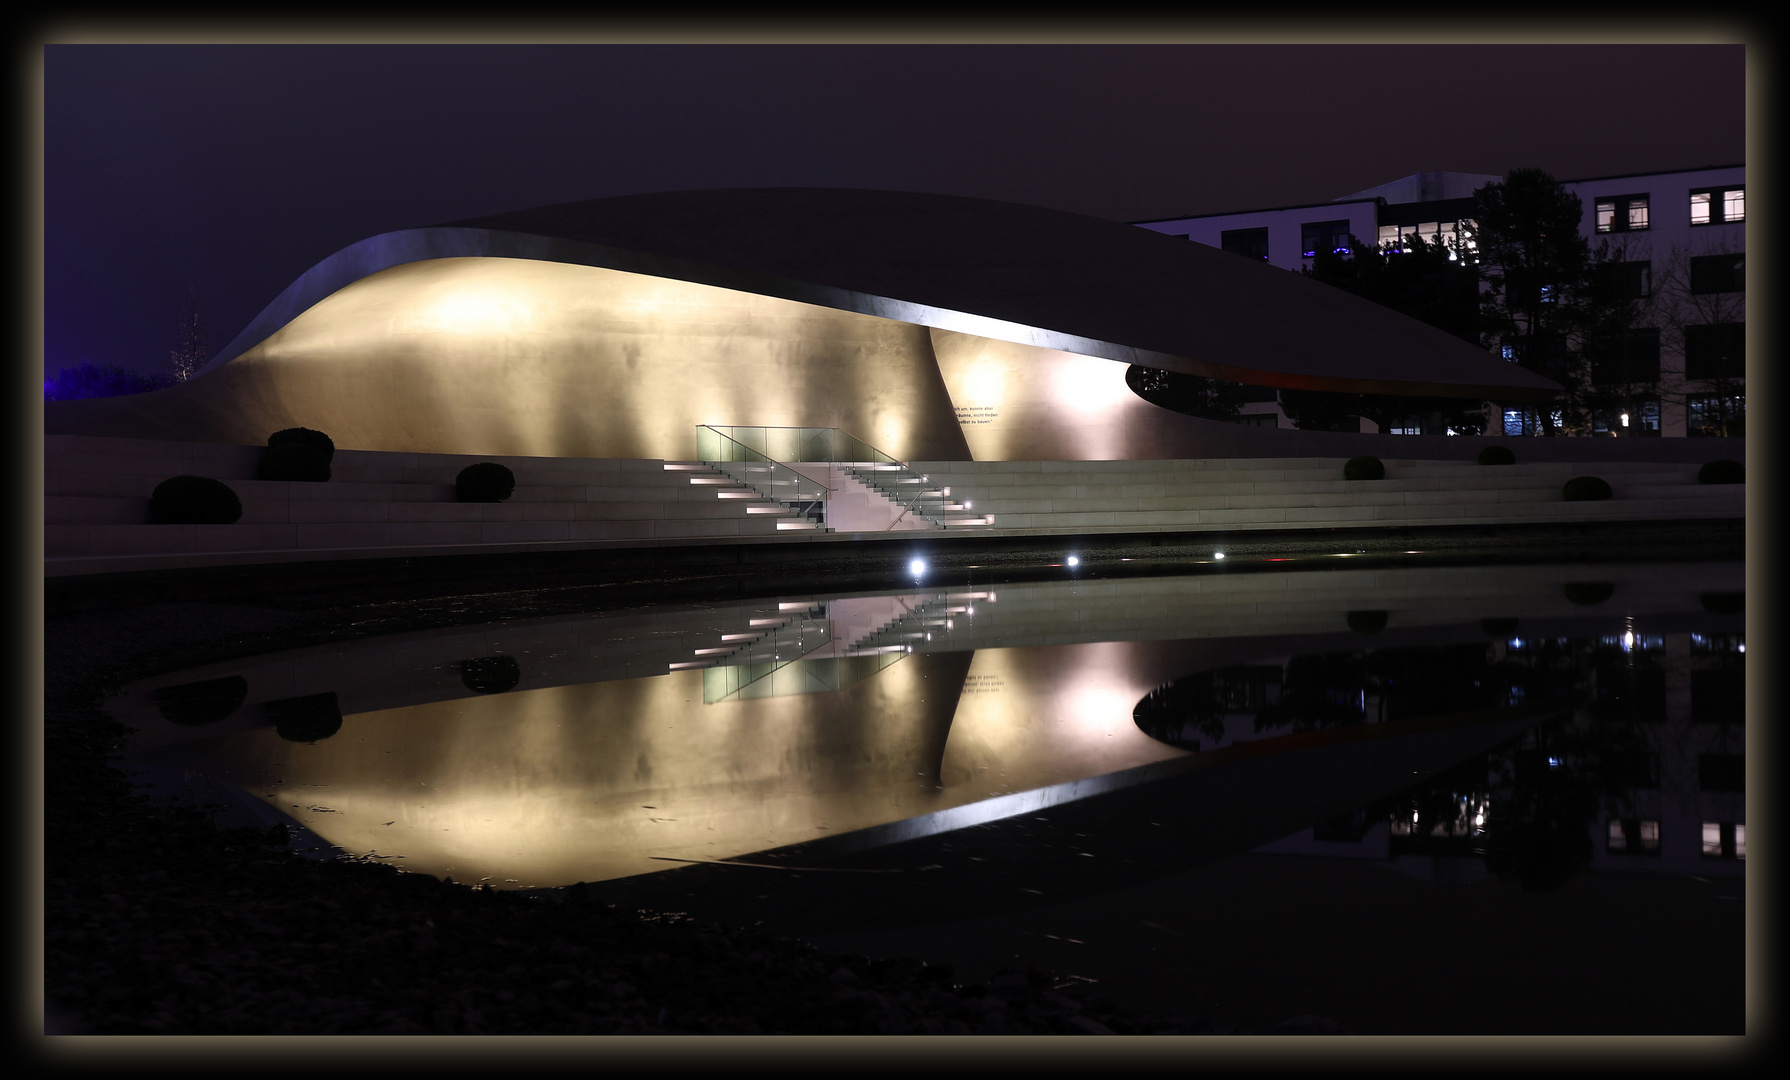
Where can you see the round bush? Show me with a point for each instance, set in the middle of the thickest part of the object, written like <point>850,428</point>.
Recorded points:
<point>207,702</point>
<point>1498,628</point>
<point>1587,593</point>
<point>194,500</point>
<point>486,481</point>
<point>1723,603</point>
<point>1365,467</point>
<point>1367,622</point>
<point>1722,472</point>
<point>304,436</point>
<point>490,674</point>
<point>293,461</point>
<point>1497,455</point>
<point>305,719</point>
<point>1586,489</point>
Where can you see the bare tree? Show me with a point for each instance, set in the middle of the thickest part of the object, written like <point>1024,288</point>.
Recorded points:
<point>1620,338</point>
<point>1703,293</point>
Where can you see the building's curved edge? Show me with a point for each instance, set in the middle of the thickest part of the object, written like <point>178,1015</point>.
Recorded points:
<point>396,248</point>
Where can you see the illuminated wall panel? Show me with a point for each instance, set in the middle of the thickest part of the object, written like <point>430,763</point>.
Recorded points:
<point>527,357</point>
<point>1025,403</point>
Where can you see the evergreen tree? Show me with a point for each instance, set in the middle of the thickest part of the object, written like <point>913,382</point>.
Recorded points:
<point>1534,266</point>
<point>1426,280</point>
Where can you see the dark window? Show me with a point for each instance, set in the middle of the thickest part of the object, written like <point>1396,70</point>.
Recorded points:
<point>1721,772</point>
<point>1621,213</point>
<point>1629,357</point>
<point>1628,280</point>
<point>1550,353</point>
<point>1631,693</point>
<point>1632,770</point>
<point>1347,829</point>
<point>1324,236</point>
<point>1718,273</point>
<point>1717,351</point>
<point>1250,243</point>
<point>1718,696</point>
<point>1712,206</point>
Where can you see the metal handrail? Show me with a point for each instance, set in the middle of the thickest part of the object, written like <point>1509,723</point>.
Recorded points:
<point>835,446</point>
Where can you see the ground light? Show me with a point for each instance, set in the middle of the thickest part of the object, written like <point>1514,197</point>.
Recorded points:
<point>1073,561</point>
<point>1218,554</point>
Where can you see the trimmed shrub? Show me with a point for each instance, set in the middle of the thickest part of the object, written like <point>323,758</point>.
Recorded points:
<point>1365,467</point>
<point>1586,489</point>
<point>305,719</point>
<point>1723,603</point>
<point>207,702</point>
<point>293,461</point>
<point>1722,472</point>
<point>1367,622</point>
<point>490,674</point>
<point>1497,455</point>
<point>304,436</point>
<point>1498,629</point>
<point>1587,593</point>
<point>194,500</point>
<point>486,481</point>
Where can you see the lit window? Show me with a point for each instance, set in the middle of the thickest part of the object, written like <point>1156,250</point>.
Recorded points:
<point>1389,239</point>
<point>1631,836</point>
<point>1724,840</point>
<point>1622,213</point>
<point>1712,206</point>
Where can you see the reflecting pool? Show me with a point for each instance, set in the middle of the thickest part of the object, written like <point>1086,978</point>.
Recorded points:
<point>1530,720</point>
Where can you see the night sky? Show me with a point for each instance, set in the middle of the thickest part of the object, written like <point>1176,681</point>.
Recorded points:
<point>228,170</point>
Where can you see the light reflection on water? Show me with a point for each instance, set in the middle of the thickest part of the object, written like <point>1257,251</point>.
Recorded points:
<point>547,751</point>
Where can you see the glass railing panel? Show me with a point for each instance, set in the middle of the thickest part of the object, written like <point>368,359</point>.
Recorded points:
<point>731,451</point>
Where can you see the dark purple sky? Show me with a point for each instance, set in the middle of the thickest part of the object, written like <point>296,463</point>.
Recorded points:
<point>228,170</point>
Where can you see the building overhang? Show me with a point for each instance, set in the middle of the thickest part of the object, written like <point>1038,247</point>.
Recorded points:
<point>1014,273</point>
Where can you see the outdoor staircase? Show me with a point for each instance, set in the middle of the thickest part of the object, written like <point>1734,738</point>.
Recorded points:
<point>915,493</point>
<point>789,518</point>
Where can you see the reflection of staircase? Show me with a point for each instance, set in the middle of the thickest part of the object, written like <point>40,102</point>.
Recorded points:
<point>915,626</point>
<point>808,648</point>
<point>755,501</point>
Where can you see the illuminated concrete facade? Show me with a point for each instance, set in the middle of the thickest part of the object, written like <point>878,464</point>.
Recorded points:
<point>934,328</point>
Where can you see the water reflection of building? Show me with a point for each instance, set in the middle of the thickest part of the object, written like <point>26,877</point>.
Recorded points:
<point>1653,752</point>
<point>579,747</point>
